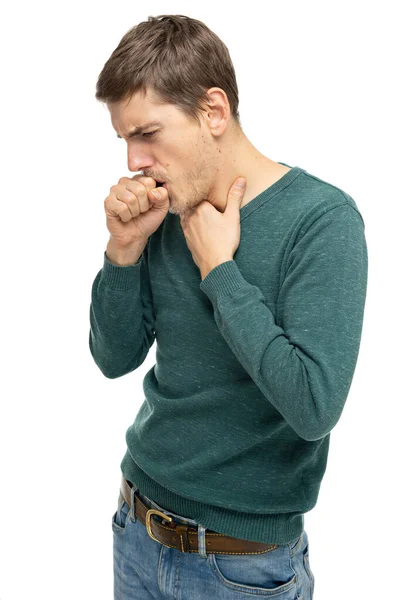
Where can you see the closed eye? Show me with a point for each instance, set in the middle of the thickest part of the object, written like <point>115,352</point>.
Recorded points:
<point>149,134</point>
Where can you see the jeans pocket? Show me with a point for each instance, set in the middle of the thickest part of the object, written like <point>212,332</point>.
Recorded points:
<point>121,518</point>
<point>269,573</point>
<point>294,543</point>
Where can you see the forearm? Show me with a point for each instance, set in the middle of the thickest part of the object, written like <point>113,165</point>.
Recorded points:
<point>121,317</point>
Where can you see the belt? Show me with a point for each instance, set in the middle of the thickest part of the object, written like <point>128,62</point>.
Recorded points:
<point>184,537</point>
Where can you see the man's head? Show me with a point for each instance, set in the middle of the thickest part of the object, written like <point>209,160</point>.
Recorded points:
<point>173,70</point>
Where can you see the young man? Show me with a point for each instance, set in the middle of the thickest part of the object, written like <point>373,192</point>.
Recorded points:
<point>255,295</point>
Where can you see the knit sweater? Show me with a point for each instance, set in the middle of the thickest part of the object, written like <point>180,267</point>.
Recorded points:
<point>253,364</point>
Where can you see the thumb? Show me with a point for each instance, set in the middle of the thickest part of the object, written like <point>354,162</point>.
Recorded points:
<point>159,197</point>
<point>235,194</point>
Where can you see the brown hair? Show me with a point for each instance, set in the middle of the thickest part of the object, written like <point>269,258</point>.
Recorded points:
<point>180,58</point>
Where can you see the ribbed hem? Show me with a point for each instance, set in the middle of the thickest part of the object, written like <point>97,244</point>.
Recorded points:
<point>120,277</point>
<point>268,528</point>
<point>222,280</point>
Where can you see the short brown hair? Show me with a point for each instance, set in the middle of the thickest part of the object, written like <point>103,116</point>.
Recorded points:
<point>180,58</point>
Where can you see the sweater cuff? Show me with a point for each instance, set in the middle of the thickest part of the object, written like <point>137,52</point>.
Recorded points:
<point>120,277</point>
<point>223,279</point>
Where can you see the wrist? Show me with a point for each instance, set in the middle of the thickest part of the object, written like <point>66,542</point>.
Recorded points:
<point>123,256</point>
<point>210,266</point>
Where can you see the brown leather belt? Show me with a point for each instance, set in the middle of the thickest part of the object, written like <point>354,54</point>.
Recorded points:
<point>184,537</point>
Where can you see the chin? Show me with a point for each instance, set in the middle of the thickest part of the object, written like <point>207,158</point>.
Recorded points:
<point>174,210</point>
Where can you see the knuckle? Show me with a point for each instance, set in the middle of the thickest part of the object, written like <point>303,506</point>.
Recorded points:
<point>136,187</point>
<point>145,181</point>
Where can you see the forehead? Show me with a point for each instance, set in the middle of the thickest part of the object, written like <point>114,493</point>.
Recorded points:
<point>134,113</point>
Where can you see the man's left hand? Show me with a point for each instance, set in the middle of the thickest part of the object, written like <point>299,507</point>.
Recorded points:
<point>213,237</point>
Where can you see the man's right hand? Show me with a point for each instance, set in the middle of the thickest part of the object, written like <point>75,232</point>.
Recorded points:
<point>132,212</point>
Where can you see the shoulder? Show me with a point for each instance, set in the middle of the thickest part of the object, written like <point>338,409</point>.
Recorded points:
<point>320,197</point>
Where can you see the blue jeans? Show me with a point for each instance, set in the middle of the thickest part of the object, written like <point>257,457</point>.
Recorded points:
<point>144,569</point>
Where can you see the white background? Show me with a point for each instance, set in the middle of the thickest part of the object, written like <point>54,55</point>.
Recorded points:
<point>317,87</point>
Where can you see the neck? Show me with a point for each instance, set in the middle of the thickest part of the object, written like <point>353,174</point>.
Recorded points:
<point>240,158</point>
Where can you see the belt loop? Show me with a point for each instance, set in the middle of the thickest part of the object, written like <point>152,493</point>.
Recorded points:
<point>201,540</point>
<point>132,511</point>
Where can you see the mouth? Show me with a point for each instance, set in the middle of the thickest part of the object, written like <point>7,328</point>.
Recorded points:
<point>161,184</point>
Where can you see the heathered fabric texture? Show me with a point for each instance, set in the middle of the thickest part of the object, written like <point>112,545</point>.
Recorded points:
<point>253,364</point>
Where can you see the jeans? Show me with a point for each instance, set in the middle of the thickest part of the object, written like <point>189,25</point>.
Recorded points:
<point>144,569</point>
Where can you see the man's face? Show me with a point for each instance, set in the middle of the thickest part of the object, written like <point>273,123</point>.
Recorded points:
<point>179,152</point>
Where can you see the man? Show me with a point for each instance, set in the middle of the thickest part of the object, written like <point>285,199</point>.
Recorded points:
<point>255,295</point>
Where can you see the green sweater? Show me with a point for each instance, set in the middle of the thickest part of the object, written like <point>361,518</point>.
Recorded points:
<point>253,364</point>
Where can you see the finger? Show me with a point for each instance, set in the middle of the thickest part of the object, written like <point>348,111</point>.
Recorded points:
<point>149,182</point>
<point>138,201</point>
<point>117,209</point>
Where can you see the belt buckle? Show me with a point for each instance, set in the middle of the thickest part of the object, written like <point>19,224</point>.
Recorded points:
<point>154,511</point>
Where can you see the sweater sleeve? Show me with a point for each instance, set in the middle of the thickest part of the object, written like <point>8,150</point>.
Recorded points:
<point>121,317</point>
<point>305,365</point>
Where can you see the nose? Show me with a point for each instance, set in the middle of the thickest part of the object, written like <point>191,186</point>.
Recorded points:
<point>139,160</point>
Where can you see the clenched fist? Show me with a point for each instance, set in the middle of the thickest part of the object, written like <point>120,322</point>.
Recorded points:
<point>132,212</point>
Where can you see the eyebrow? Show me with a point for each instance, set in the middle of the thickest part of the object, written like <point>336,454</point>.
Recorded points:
<point>138,130</point>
